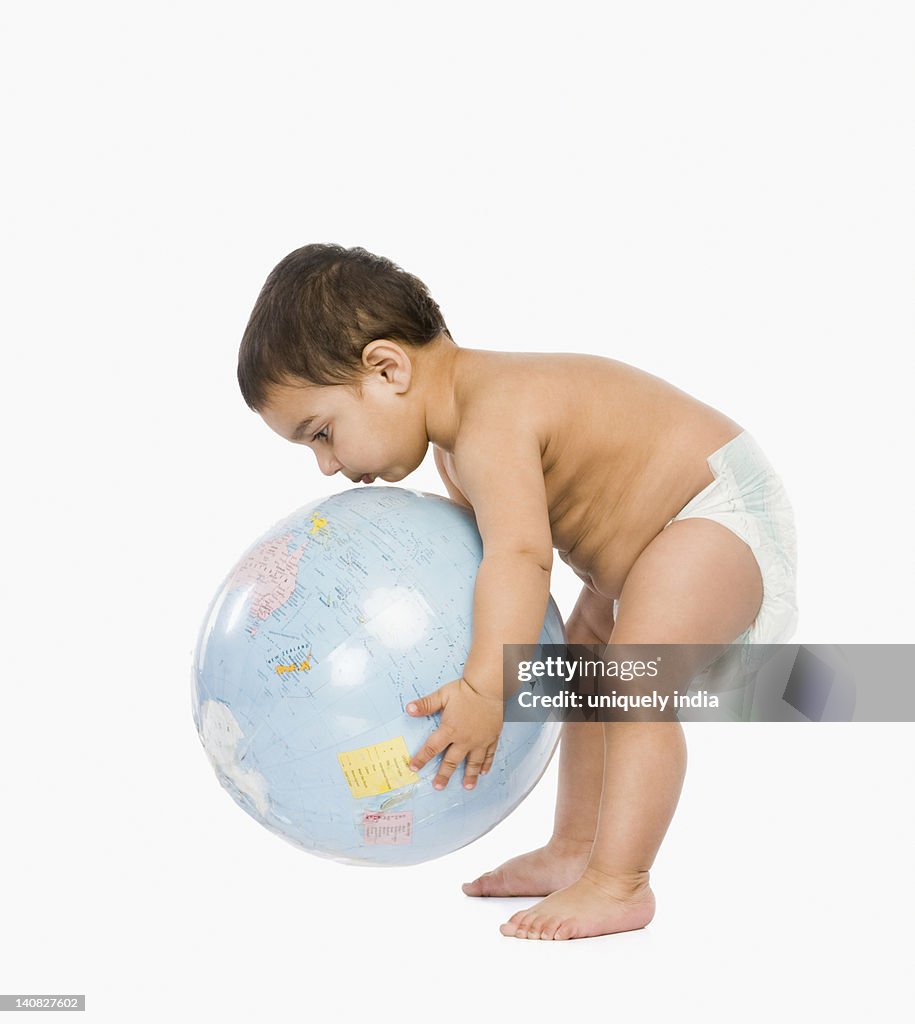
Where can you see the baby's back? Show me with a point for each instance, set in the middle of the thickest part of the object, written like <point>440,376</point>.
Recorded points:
<point>622,450</point>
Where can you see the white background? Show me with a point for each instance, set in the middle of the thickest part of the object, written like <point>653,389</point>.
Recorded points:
<point>720,193</point>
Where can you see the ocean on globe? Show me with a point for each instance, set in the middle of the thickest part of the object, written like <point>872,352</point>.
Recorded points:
<point>327,627</point>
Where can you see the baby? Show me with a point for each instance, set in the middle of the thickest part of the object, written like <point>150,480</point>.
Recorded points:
<point>666,510</point>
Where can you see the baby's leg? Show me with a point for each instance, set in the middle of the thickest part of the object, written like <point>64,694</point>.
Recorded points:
<point>565,856</point>
<point>581,776</point>
<point>696,582</point>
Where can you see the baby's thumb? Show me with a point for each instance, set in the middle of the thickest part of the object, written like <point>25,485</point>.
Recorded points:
<point>427,705</point>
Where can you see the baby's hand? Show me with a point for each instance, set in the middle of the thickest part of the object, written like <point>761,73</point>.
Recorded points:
<point>469,728</point>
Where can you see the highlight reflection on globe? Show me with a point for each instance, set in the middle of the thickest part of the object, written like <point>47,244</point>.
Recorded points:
<point>322,633</point>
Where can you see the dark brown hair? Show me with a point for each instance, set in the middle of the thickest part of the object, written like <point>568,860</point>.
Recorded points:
<point>319,308</point>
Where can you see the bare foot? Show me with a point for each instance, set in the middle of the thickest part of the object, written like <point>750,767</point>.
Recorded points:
<point>537,873</point>
<point>594,905</point>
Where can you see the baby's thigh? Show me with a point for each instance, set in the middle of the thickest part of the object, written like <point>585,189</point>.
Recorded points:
<point>696,582</point>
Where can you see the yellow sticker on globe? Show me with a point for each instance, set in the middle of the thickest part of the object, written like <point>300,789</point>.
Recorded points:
<point>378,768</point>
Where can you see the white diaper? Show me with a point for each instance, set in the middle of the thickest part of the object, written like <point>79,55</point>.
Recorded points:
<point>748,498</point>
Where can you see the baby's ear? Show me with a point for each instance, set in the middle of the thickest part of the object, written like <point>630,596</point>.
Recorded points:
<point>387,358</point>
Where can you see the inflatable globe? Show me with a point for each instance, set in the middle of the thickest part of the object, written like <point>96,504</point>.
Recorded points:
<point>328,626</point>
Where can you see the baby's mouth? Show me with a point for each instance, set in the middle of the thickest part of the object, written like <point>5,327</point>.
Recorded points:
<point>367,478</point>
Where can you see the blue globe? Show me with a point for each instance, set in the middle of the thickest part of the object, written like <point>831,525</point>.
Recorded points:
<point>323,632</point>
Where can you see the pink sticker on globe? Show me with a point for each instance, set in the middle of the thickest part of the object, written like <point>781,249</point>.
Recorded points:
<point>393,829</point>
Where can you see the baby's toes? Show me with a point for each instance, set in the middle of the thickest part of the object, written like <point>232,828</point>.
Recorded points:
<point>511,925</point>
<point>492,884</point>
<point>477,887</point>
<point>516,926</point>
<point>534,927</point>
<point>549,927</point>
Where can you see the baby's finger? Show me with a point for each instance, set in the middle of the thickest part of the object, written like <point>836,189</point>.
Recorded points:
<point>427,705</point>
<point>433,746</point>
<point>448,765</point>
<point>487,760</point>
<point>472,769</point>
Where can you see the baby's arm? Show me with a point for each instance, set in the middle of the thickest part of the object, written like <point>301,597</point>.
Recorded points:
<point>508,497</point>
<point>450,485</point>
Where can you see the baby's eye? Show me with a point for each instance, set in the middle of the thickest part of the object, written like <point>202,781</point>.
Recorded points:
<point>321,435</point>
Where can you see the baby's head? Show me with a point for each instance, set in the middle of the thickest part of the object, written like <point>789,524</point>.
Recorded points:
<point>329,358</point>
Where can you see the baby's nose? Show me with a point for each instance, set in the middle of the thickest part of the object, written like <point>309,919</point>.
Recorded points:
<point>329,466</point>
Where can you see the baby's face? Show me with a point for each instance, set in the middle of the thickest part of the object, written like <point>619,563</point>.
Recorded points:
<point>378,435</point>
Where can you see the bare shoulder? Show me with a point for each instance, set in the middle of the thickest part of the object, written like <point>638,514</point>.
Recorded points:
<point>519,393</point>
<point>578,406</point>
<point>511,408</point>
<point>496,463</point>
